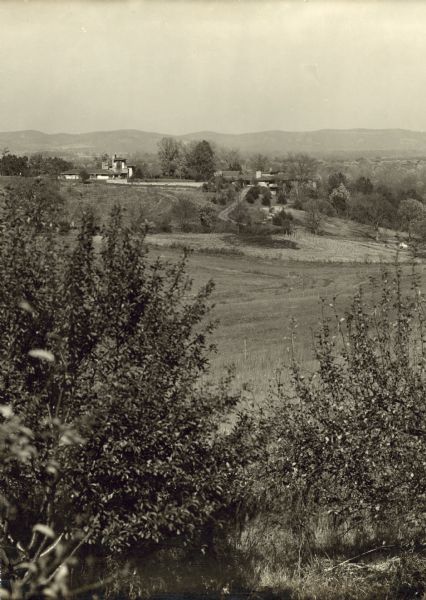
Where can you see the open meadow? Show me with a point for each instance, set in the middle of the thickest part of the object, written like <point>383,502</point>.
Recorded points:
<point>136,201</point>
<point>259,301</point>
<point>301,246</point>
<point>265,286</point>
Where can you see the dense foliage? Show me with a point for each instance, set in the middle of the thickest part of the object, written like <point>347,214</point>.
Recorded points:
<point>196,161</point>
<point>37,565</point>
<point>37,164</point>
<point>350,439</point>
<point>105,340</point>
<point>170,153</point>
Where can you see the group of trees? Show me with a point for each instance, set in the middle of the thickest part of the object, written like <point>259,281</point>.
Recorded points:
<point>380,198</point>
<point>296,165</point>
<point>336,194</point>
<point>380,206</point>
<point>199,160</point>
<point>261,193</point>
<point>377,205</point>
<point>36,164</point>
<point>195,160</point>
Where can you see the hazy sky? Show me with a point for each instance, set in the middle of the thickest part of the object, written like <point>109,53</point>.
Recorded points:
<point>229,66</point>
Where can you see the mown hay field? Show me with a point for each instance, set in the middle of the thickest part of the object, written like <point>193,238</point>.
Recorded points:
<point>258,302</point>
<point>300,247</point>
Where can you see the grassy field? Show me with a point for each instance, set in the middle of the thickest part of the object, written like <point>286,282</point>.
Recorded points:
<point>256,300</point>
<point>263,283</point>
<point>152,203</point>
<point>300,247</point>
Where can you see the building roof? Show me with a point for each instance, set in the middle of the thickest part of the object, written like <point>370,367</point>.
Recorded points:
<point>71,172</point>
<point>229,173</point>
<point>266,177</point>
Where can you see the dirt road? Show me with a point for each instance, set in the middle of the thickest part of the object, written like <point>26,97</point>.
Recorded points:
<point>224,214</point>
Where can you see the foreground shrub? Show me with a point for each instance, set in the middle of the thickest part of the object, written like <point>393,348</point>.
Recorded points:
<point>36,565</point>
<point>350,441</point>
<point>120,348</point>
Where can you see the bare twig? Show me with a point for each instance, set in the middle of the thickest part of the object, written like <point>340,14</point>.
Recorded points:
<point>360,556</point>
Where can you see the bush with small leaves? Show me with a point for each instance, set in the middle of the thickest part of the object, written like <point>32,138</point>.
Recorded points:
<point>340,198</point>
<point>34,560</point>
<point>349,440</point>
<point>207,218</point>
<point>284,220</point>
<point>107,341</point>
<point>314,216</point>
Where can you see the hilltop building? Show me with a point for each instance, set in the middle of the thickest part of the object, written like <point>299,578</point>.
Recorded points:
<point>116,168</point>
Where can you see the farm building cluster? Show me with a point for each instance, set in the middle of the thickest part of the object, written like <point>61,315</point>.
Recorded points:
<point>274,180</point>
<point>116,168</point>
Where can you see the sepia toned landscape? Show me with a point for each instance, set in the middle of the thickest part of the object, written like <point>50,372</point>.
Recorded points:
<point>212,300</point>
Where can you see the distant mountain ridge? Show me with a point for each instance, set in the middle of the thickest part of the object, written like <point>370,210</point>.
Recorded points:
<point>383,142</point>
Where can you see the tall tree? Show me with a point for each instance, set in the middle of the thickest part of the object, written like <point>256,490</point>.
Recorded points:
<point>169,151</point>
<point>302,166</point>
<point>339,198</point>
<point>232,159</point>
<point>372,209</point>
<point>47,165</point>
<point>410,212</point>
<point>259,162</point>
<point>336,179</point>
<point>364,185</point>
<point>314,216</point>
<point>201,160</point>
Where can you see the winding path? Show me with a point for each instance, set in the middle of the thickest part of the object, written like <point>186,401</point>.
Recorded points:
<point>224,214</point>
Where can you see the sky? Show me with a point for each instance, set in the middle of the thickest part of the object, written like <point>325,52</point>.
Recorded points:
<point>229,66</point>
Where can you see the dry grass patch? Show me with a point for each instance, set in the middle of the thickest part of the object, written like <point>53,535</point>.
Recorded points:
<point>256,301</point>
<point>152,203</point>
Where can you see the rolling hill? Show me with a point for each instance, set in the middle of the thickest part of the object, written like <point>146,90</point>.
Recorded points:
<point>354,142</point>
